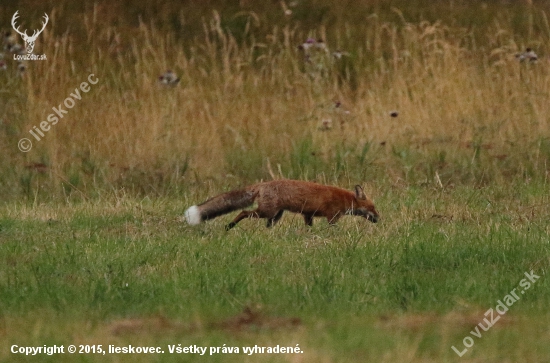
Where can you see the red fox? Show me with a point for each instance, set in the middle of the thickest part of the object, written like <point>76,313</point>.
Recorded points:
<point>274,197</point>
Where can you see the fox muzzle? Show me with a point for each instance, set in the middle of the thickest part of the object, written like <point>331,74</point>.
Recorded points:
<point>372,217</point>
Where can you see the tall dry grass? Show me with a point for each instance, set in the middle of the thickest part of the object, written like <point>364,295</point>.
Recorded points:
<point>251,105</point>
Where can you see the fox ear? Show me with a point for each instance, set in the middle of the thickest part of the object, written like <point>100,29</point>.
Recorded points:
<point>359,192</point>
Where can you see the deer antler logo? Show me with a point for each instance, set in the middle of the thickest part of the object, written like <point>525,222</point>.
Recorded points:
<point>29,41</point>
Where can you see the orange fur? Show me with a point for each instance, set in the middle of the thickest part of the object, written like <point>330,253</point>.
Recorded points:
<point>275,197</point>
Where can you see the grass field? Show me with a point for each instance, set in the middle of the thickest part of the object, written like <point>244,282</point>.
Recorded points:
<point>127,271</point>
<point>93,247</point>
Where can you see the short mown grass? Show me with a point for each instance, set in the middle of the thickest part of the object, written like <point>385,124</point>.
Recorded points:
<point>128,271</point>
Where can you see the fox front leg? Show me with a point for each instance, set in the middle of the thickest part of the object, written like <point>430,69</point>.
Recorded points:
<point>272,221</point>
<point>308,218</point>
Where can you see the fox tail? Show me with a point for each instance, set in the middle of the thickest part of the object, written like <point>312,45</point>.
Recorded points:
<point>220,205</point>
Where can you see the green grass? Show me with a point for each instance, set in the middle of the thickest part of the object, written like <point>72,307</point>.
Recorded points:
<point>126,271</point>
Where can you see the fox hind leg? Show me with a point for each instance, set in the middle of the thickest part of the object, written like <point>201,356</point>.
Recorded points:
<point>308,218</point>
<point>244,214</point>
<point>272,221</point>
<point>272,217</point>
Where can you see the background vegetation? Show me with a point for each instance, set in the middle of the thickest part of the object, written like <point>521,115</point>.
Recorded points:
<point>249,102</point>
<point>92,247</point>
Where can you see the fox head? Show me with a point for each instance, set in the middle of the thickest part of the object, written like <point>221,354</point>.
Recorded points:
<point>365,206</point>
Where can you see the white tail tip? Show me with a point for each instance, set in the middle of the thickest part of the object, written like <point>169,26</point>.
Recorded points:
<point>193,215</point>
